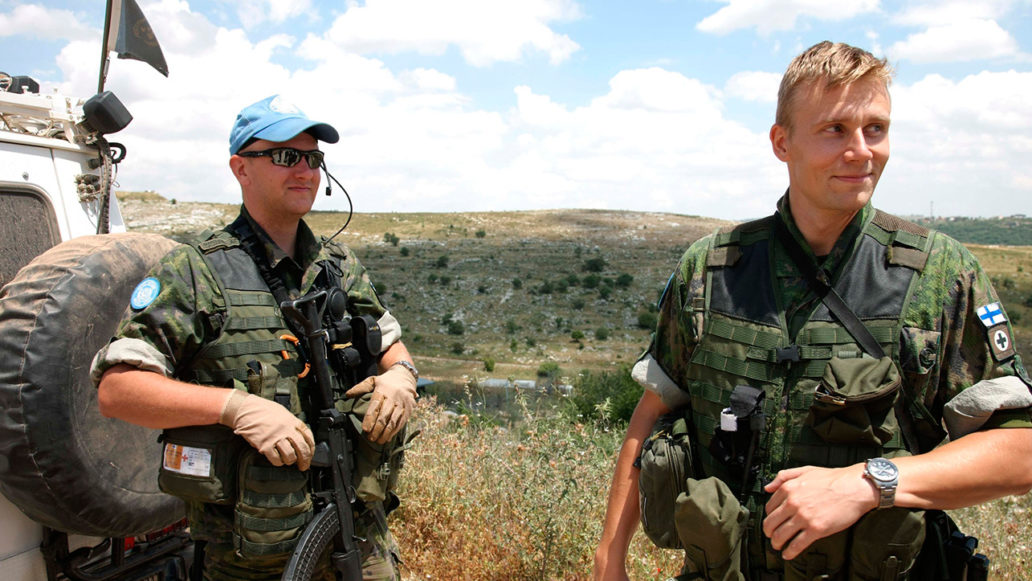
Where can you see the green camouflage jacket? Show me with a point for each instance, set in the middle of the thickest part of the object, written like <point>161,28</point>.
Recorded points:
<point>183,314</point>
<point>951,290</point>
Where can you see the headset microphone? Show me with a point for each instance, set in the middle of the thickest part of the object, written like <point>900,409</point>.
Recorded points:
<point>351,206</point>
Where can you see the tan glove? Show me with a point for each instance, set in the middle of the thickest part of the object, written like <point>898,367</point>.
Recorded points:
<point>394,396</point>
<point>275,432</point>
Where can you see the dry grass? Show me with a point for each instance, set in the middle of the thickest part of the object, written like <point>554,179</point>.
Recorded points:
<point>487,503</point>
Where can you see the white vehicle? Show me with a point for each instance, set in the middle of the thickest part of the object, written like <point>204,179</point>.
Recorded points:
<point>80,497</point>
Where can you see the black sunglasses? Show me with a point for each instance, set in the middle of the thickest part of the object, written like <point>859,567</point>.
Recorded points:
<point>288,156</point>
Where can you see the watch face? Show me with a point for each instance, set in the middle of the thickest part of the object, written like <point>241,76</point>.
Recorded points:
<point>882,469</point>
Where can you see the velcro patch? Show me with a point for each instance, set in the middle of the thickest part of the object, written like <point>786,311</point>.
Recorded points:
<point>145,293</point>
<point>1001,342</point>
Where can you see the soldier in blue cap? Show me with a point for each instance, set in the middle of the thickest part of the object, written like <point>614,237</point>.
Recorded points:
<point>205,353</point>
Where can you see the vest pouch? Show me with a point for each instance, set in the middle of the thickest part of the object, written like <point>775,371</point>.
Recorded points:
<point>824,559</point>
<point>665,465</point>
<point>199,463</point>
<point>272,509</point>
<point>853,403</point>
<point>886,543</point>
<point>375,464</point>
<point>711,524</point>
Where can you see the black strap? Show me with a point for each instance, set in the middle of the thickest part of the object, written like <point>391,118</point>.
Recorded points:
<point>820,282</point>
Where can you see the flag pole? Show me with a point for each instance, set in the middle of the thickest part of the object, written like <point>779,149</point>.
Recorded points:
<point>104,52</point>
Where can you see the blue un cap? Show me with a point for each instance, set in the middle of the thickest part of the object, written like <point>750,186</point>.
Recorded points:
<point>275,119</point>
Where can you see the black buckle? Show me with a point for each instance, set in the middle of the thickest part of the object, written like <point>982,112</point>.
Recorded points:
<point>783,354</point>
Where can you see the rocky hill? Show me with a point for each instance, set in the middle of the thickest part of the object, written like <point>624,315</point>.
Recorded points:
<point>516,289</point>
<point>511,291</point>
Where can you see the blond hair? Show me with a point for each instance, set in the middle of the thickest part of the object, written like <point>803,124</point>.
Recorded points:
<point>837,64</point>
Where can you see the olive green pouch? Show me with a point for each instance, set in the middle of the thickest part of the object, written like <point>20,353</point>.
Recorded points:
<point>376,465</point>
<point>273,506</point>
<point>886,543</point>
<point>853,404</point>
<point>199,463</point>
<point>825,558</point>
<point>665,465</point>
<point>711,524</point>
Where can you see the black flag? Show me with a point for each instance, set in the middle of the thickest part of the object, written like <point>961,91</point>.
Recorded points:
<point>134,38</point>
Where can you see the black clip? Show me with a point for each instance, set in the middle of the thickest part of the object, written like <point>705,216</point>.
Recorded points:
<point>783,354</point>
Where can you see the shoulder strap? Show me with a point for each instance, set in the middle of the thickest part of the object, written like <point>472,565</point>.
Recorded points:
<point>820,283</point>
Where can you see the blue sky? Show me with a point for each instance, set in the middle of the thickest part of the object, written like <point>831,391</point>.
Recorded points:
<point>459,105</point>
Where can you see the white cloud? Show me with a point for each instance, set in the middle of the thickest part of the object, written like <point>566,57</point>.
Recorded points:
<point>254,12</point>
<point>37,21</point>
<point>963,145</point>
<point>961,40</point>
<point>754,86</point>
<point>940,13</point>
<point>484,31</point>
<point>773,15</point>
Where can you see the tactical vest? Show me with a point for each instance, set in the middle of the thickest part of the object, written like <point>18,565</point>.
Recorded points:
<point>745,341</point>
<point>233,494</point>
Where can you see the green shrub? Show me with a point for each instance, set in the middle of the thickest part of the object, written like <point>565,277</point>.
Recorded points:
<point>602,333</point>
<point>548,370</point>
<point>517,283</point>
<point>481,233</point>
<point>624,280</point>
<point>608,396</point>
<point>489,364</point>
<point>647,320</point>
<point>457,348</point>
<point>456,328</point>
<point>391,239</point>
<point>442,261</point>
<point>577,304</point>
<point>597,264</point>
<point>591,281</point>
<point>577,335</point>
<point>405,251</point>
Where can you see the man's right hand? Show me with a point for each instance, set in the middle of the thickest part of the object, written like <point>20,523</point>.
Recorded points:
<point>268,426</point>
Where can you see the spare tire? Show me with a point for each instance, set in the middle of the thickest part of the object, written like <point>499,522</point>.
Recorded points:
<point>61,462</point>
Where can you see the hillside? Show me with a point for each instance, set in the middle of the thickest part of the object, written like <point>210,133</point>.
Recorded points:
<point>519,289</point>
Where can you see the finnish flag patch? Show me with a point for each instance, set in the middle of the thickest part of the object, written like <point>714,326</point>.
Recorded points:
<point>991,315</point>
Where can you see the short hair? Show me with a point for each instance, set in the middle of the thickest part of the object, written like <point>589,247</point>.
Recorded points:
<point>837,64</point>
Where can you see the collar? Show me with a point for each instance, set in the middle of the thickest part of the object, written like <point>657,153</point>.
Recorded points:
<point>843,245</point>
<point>307,245</point>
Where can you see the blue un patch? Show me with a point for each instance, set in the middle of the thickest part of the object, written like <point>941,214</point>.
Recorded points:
<point>145,293</point>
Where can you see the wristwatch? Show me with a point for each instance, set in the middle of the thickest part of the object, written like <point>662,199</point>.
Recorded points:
<point>885,477</point>
<point>407,365</point>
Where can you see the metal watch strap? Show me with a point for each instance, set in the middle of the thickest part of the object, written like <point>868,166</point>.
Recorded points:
<point>409,366</point>
<point>886,495</point>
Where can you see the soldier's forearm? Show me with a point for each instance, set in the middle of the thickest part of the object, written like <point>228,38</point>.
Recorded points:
<point>979,467</point>
<point>154,401</point>
<point>396,352</point>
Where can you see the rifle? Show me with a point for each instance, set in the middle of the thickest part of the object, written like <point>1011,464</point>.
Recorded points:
<point>323,318</point>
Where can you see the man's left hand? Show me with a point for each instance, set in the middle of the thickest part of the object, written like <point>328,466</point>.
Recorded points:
<point>810,503</point>
<point>394,396</point>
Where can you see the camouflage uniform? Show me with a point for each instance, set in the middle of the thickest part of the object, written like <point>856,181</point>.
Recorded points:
<point>943,347</point>
<point>166,335</point>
